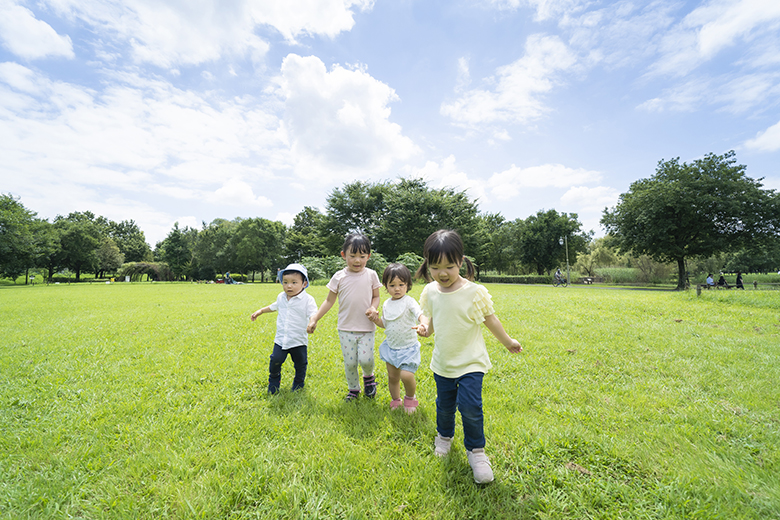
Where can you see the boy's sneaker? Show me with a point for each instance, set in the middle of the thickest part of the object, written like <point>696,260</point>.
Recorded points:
<point>441,445</point>
<point>480,465</point>
<point>352,395</point>
<point>369,386</point>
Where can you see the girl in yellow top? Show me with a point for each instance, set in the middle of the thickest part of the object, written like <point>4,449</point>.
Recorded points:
<point>457,307</point>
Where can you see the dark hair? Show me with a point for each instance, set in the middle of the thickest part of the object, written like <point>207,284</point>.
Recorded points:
<point>294,271</point>
<point>444,244</point>
<point>399,271</point>
<point>357,242</point>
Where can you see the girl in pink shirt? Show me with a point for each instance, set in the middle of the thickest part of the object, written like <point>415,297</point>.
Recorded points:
<point>357,289</point>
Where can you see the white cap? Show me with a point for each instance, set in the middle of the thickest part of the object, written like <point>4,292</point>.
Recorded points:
<point>299,268</point>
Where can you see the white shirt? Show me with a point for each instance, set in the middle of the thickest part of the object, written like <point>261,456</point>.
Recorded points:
<point>293,318</point>
<point>398,317</point>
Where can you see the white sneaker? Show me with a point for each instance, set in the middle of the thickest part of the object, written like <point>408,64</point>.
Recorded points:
<point>442,445</point>
<point>480,465</point>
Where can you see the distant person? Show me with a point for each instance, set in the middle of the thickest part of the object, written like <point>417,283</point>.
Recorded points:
<point>228,278</point>
<point>401,349</point>
<point>295,307</point>
<point>722,282</point>
<point>454,309</point>
<point>357,289</point>
<point>710,281</point>
<point>279,273</point>
<point>739,281</point>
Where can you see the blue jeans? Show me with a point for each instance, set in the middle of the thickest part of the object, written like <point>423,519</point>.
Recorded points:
<point>465,394</point>
<point>278,356</point>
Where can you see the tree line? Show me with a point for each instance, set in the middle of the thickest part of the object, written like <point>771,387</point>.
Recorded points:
<point>685,212</point>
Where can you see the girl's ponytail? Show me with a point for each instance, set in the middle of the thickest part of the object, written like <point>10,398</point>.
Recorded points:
<point>422,271</point>
<point>470,271</point>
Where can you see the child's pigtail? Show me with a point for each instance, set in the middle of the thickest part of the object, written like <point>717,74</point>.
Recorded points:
<point>470,271</point>
<point>422,271</point>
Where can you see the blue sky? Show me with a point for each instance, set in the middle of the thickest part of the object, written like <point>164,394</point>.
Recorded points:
<point>189,110</point>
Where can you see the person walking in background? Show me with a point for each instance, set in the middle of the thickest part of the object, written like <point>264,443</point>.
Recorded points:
<point>295,306</point>
<point>739,281</point>
<point>400,350</point>
<point>357,289</point>
<point>454,309</point>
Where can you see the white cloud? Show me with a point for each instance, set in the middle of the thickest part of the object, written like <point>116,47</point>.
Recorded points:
<point>519,86</point>
<point>545,9</point>
<point>590,199</point>
<point>236,192</point>
<point>296,17</point>
<point>137,136</point>
<point>447,175</point>
<point>766,141</point>
<point>713,27</point>
<point>166,32</point>
<point>338,121</point>
<point>29,38</point>
<point>509,183</point>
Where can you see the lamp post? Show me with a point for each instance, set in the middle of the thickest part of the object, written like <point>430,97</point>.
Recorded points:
<point>565,242</point>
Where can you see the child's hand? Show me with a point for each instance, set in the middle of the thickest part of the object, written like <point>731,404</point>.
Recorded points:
<point>312,327</point>
<point>256,314</point>
<point>514,347</point>
<point>421,330</point>
<point>372,314</point>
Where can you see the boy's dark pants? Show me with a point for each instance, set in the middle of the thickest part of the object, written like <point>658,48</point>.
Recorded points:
<point>278,356</point>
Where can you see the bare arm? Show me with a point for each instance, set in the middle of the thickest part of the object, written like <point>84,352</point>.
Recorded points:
<point>260,311</point>
<point>322,311</point>
<point>494,326</point>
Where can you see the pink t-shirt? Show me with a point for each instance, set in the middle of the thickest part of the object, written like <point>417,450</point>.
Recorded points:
<point>355,291</point>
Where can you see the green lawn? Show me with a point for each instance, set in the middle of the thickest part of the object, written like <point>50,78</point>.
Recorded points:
<point>148,401</point>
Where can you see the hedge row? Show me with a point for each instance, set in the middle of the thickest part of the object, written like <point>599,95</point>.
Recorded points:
<point>528,279</point>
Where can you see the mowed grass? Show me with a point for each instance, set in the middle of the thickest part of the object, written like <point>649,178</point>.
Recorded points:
<point>149,401</point>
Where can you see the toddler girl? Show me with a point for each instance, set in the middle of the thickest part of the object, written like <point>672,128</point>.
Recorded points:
<point>455,308</point>
<point>400,350</point>
<point>357,290</point>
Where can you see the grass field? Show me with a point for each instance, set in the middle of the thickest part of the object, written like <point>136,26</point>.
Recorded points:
<point>148,401</point>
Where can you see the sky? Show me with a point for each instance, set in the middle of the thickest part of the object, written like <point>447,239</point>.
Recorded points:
<point>164,111</point>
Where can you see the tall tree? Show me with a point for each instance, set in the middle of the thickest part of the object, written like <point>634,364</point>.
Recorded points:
<point>130,240</point>
<point>543,240</point>
<point>694,210</point>
<point>355,208</point>
<point>258,245</point>
<point>176,250</point>
<point>411,211</point>
<point>16,237</point>
<point>80,237</point>
<point>108,257</point>
<point>214,248</point>
<point>304,238</point>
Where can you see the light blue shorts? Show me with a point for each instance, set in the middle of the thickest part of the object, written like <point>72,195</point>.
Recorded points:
<point>403,359</point>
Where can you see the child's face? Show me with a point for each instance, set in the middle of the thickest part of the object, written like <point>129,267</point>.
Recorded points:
<point>293,284</point>
<point>356,261</point>
<point>445,272</point>
<point>397,288</point>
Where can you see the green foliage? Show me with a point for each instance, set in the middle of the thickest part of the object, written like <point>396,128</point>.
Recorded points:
<point>305,238</point>
<point>694,210</point>
<point>412,261</point>
<point>17,243</point>
<point>541,242</point>
<point>80,236</point>
<point>526,279</point>
<point>154,270</point>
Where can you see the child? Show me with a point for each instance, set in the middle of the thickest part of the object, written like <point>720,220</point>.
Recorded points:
<point>357,289</point>
<point>295,307</point>
<point>456,307</point>
<point>400,350</point>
